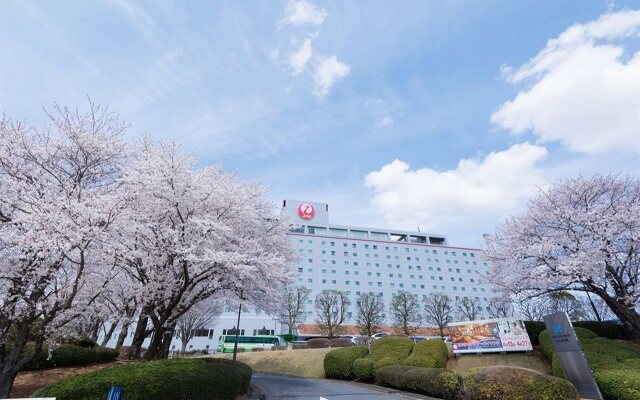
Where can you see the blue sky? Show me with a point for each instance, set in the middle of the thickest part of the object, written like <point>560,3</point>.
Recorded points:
<point>444,115</point>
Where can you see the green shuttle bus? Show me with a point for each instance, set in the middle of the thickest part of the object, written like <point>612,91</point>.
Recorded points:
<point>226,342</point>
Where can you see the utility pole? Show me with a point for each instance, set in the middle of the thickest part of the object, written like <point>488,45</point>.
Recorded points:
<point>235,345</point>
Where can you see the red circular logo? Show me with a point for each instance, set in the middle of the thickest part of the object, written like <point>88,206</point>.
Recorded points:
<point>306,211</point>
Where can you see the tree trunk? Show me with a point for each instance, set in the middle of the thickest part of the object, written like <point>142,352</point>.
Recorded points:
<point>11,363</point>
<point>108,334</point>
<point>139,336</point>
<point>95,329</point>
<point>629,316</point>
<point>183,348</point>
<point>594,308</point>
<point>159,346</point>
<point>123,335</point>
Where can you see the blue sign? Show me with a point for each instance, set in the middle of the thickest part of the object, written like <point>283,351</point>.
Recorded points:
<point>115,393</point>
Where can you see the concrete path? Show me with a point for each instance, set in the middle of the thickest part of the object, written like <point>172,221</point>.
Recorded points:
<point>277,387</point>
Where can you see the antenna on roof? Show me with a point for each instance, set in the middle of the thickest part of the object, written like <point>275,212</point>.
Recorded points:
<point>418,228</point>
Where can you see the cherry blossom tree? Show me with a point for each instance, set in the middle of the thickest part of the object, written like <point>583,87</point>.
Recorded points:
<point>582,235</point>
<point>194,234</point>
<point>201,315</point>
<point>58,202</point>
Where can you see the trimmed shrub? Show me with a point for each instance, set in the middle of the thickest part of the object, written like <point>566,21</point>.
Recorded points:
<point>125,353</point>
<point>603,353</point>
<point>513,383</point>
<point>547,347</point>
<point>300,346</point>
<point>395,347</point>
<point>340,342</point>
<point>195,379</point>
<point>318,343</point>
<point>429,381</point>
<point>428,354</point>
<point>338,363</point>
<point>82,341</point>
<point>533,329</point>
<point>363,368</point>
<point>622,383</point>
<point>603,329</point>
<point>67,355</point>
<point>257,349</point>
<point>278,348</point>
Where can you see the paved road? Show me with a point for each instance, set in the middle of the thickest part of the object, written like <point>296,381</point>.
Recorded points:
<point>282,387</point>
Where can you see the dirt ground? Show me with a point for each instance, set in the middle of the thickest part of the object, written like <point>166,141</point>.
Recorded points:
<point>29,381</point>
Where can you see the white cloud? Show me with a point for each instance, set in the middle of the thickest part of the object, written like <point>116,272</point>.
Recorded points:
<point>300,13</point>
<point>582,90</point>
<point>299,58</point>
<point>383,122</point>
<point>327,71</point>
<point>474,195</point>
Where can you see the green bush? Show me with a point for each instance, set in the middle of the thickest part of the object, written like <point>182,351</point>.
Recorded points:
<point>428,354</point>
<point>513,383</point>
<point>340,342</point>
<point>363,368</point>
<point>429,381</point>
<point>318,343</point>
<point>67,355</point>
<point>622,383</point>
<point>395,347</point>
<point>533,329</point>
<point>603,353</point>
<point>193,379</point>
<point>338,363</point>
<point>82,341</point>
<point>547,347</point>
<point>602,329</point>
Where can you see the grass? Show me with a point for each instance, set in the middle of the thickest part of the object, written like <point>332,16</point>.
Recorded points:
<point>303,363</point>
<point>535,361</point>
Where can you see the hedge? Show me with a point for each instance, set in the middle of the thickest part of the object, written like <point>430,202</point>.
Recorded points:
<point>318,343</point>
<point>533,330</point>
<point>514,383</point>
<point>428,354</point>
<point>195,379</point>
<point>299,346</point>
<point>547,347</point>
<point>67,355</point>
<point>622,383</point>
<point>616,365</point>
<point>338,363</point>
<point>437,382</point>
<point>603,329</point>
<point>363,369</point>
<point>340,342</point>
<point>383,352</point>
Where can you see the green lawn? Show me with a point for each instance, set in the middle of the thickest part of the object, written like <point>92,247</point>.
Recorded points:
<point>536,361</point>
<point>307,363</point>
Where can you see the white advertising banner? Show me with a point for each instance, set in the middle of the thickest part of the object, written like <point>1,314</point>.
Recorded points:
<point>489,335</point>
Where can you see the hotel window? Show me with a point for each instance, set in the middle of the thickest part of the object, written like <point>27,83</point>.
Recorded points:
<point>438,269</point>
<point>450,270</point>
<point>346,254</point>
<point>310,241</point>
<point>333,262</point>
<point>324,252</point>
<point>347,272</point>
<point>390,275</point>
<point>375,247</point>
<point>408,258</point>
<point>324,271</point>
<point>310,280</point>
<point>300,269</point>
<point>333,252</point>
<point>460,280</point>
<point>353,245</point>
<point>440,278</point>
<point>309,269</point>
<point>419,276</point>
<point>399,275</point>
<point>355,254</point>
<point>357,272</point>
<point>368,264</point>
<point>434,252</point>
<point>472,280</point>
<point>347,282</point>
<point>464,254</point>
<point>315,230</point>
<point>338,232</point>
<point>333,244</point>
<point>333,271</point>
<point>377,273</point>
<point>419,268</point>
<point>462,288</point>
<point>359,234</point>
<point>393,284</point>
<point>401,285</point>
<point>453,279</point>
<point>324,281</point>
<point>345,245</point>
<point>366,246</point>
<point>355,263</point>
<point>411,276</point>
<point>346,263</point>
<point>369,274</point>
<point>430,268</point>
<point>434,286</point>
<point>370,283</point>
<point>357,283</point>
<point>471,254</point>
<point>379,284</point>
<point>333,281</point>
<point>413,285</point>
<point>458,270</point>
<point>433,278</point>
<point>448,261</point>
<point>299,279</point>
<point>453,253</point>
<point>310,260</point>
<point>324,261</point>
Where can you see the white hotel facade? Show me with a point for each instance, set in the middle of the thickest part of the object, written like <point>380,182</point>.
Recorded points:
<point>361,260</point>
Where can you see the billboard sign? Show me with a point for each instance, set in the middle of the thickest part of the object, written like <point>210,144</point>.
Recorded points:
<point>489,335</point>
